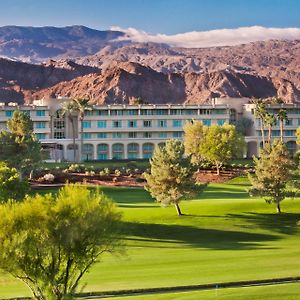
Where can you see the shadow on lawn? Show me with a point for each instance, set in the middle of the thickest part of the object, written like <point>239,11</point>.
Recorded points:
<point>213,192</point>
<point>195,237</point>
<point>285,223</point>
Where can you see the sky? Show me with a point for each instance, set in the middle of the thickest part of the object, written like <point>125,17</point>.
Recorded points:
<point>174,21</point>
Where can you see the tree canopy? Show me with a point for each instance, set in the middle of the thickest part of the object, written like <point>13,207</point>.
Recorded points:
<point>49,242</point>
<point>171,177</point>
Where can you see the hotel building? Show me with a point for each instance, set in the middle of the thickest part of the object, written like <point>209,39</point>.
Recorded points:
<point>132,131</point>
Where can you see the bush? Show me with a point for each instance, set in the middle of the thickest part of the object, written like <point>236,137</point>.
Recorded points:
<point>118,173</point>
<point>49,177</point>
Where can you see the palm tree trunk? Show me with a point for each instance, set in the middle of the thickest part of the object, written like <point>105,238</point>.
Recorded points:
<point>73,137</point>
<point>281,130</point>
<point>179,213</point>
<point>270,133</point>
<point>262,132</point>
<point>81,138</point>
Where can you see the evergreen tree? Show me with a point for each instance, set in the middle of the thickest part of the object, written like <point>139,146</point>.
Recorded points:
<point>272,174</point>
<point>171,177</point>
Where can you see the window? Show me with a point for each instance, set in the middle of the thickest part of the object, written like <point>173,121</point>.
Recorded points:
<point>289,122</point>
<point>220,122</point>
<point>102,151</point>
<point>8,113</point>
<point>87,135</point>
<point>147,123</point>
<point>101,124</point>
<point>133,151</point>
<point>132,112</point>
<point>147,135</point>
<point>132,135</point>
<point>161,112</point>
<point>148,150</point>
<point>177,134</point>
<point>191,111</point>
<point>117,124</point>
<point>219,111</point>
<point>176,112</point>
<point>275,133</point>
<point>177,123</point>
<point>298,122</point>
<point>118,151</point>
<point>289,132</point>
<point>102,112</point>
<point>132,123</point>
<point>40,125</point>
<point>41,136</point>
<point>59,135</point>
<point>162,123</point>
<point>147,112</point>
<point>204,111</point>
<point>116,112</point>
<point>206,122</point>
<point>40,113</point>
<point>117,135</point>
<point>162,135</point>
<point>101,135</point>
<point>87,124</point>
<point>88,113</point>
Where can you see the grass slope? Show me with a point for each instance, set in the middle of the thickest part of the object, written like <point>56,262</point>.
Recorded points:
<point>224,236</point>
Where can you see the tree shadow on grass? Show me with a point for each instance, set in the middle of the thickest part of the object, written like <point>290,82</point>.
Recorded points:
<point>195,237</point>
<point>286,223</point>
<point>214,192</point>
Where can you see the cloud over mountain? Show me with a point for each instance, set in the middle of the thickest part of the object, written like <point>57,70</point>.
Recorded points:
<point>218,37</point>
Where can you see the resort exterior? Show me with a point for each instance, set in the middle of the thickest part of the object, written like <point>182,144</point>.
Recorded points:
<point>132,131</point>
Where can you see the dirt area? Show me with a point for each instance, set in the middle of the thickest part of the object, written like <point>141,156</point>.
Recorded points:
<point>207,176</point>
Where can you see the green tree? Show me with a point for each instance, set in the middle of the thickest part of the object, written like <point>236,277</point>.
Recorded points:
<point>193,135</point>
<point>298,136</point>
<point>81,106</point>
<point>270,121</point>
<point>50,243</point>
<point>242,125</point>
<point>272,174</point>
<point>11,186</point>
<point>171,177</point>
<point>19,147</point>
<point>282,116</point>
<point>260,113</point>
<point>69,109</point>
<point>220,144</point>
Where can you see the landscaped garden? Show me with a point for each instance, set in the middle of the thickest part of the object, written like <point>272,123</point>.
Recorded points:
<point>224,235</point>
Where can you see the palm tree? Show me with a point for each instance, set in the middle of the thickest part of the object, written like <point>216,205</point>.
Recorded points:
<point>81,105</point>
<point>261,112</point>
<point>270,120</point>
<point>69,109</point>
<point>282,116</point>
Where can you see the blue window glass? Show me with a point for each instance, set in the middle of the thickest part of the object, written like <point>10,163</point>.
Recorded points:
<point>40,125</point>
<point>162,123</point>
<point>117,135</point>
<point>102,112</point>
<point>101,124</point>
<point>147,123</point>
<point>162,135</point>
<point>8,113</point>
<point>101,135</point>
<point>132,123</point>
<point>289,122</point>
<point>177,123</point>
<point>289,132</point>
<point>88,113</point>
<point>41,136</point>
<point>206,122</point>
<point>87,124</point>
<point>87,135</point>
<point>40,113</point>
<point>117,124</point>
<point>298,121</point>
<point>275,133</point>
<point>177,134</point>
<point>220,122</point>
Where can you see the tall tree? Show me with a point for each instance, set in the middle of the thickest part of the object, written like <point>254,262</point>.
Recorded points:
<point>69,109</point>
<point>260,113</point>
<point>193,135</point>
<point>49,242</point>
<point>171,177</point>
<point>19,146</point>
<point>243,125</point>
<point>282,116</point>
<point>270,121</point>
<point>272,173</point>
<point>81,105</point>
<point>220,144</point>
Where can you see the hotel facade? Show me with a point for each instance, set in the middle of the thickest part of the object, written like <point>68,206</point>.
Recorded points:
<point>131,132</point>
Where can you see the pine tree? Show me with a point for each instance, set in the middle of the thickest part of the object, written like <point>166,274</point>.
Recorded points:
<point>171,177</point>
<point>272,174</point>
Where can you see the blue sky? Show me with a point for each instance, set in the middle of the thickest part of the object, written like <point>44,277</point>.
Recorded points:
<point>152,16</point>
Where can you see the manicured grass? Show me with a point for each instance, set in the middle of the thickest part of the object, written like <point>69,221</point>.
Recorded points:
<point>274,292</point>
<point>224,236</point>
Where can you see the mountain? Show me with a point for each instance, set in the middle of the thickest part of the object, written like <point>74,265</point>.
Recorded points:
<point>39,44</point>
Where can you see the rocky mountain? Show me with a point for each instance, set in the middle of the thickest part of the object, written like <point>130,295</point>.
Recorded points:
<point>39,44</point>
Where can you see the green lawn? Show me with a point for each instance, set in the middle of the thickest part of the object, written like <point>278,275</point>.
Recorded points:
<point>224,236</point>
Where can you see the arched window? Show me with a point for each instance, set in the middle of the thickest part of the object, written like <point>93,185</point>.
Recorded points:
<point>148,150</point>
<point>118,151</point>
<point>87,152</point>
<point>133,151</point>
<point>102,151</point>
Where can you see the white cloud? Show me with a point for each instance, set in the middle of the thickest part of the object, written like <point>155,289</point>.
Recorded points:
<point>219,37</point>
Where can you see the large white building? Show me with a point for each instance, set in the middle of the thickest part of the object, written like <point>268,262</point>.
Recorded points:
<point>132,131</point>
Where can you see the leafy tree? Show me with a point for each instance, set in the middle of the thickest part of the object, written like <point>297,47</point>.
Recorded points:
<point>11,186</point>
<point>220,144</point>
<point>298,135</point>
<point>19,147</point>
<point>270,121</point>
<point>282,116</point>
<point>272,173</point>
<point>242,125</point>
<point>81,106</point>
<point>50,242</point>
<point>69,109</point>
<point>171,177</point>
<point>193,135</point>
